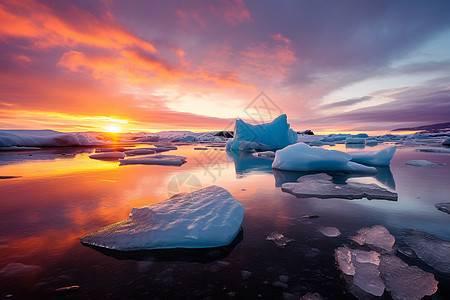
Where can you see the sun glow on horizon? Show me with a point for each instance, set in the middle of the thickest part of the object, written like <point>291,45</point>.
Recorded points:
<point>113,129</point>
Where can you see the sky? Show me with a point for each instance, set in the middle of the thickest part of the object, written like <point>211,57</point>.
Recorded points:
<point>331,66</point>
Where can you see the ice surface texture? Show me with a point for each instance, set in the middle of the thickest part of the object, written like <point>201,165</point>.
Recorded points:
<point>276,134</point>
<point>279,239</point>
<point>321,187</point>
<point>377,158</point>
<point>374,272</point>
<point>430,249</point>
<point>141,151</point>
<point>209,217</point>
<point>170,160</point>
<point>39,138</point>
<point>301,157</point>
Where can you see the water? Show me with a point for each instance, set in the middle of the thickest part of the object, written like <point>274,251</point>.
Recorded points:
<point>61,195</point>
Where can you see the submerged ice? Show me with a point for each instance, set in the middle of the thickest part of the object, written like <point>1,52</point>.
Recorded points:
<point>207,218</point>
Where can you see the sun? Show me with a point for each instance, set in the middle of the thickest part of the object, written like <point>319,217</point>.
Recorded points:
<point>113,129</point>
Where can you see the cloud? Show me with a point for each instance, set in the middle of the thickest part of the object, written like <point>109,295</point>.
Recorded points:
<point>348,102</point>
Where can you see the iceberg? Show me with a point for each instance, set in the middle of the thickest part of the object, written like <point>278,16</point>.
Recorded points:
<point>108,155</point>
<point>207,218</point>
<point>171,160</point>
<point>253,146</point>
<point>377,158</point>
<point>321,186</point>
<point>432,250</point>
<point>276,134</point>
<point>38,138</point>
<point>301,157</point>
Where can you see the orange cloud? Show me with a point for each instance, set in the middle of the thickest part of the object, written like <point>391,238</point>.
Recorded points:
<point>33,20</point>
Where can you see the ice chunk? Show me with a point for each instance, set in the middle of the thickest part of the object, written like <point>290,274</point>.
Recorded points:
<point>371,143</point>
<point>446,142</point>
<point>430,249</point>
<point>311,187</point>
<point>421,163</point>
<point>378,158</point>
<point>406,282</point>
<point>445,207</point>
<point>343,257</point>
<point>276,134</point>
<point>148,139</point>
<point>37,138</point>
<point>301,157</point>
<point>140,151</point>
<point>279,239</point>
<point>209,217</point>
<point>367,278</point>
<point>266,154</point>
<point>172,160</point>
<point>309,296</point>
<point>355,140</point>
<point>377,236</point>
<point>434,150</point>
<point>108,155</point>
<point>330,231</point>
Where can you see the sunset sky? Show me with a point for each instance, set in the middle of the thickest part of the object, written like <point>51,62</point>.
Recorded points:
<point>197,65</point>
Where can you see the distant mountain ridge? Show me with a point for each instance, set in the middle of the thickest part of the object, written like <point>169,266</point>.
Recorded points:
<point>429,128</point>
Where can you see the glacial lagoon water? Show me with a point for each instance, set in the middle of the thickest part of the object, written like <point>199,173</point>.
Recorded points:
<point>61,194</point>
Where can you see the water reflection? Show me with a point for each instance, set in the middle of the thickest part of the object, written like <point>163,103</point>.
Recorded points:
<point>202,255</point>
<point>355,146</point>
<point>384,176</point>
<point>245,162</point>
<point>9,157</point>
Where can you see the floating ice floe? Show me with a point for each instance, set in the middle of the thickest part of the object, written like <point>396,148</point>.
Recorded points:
<point>373,272</point>
<point>404,281</point>
<point>140,151</point>
<point>108,155</point>
<point>301,157</point>
<point>322,187</point>
<point>330,231</point>
<point>265,154</point>
<point>377,158</point>
<point>355,140</point>
<point>377,236</point>
<point>200,148</point>
<point>171,160</point>
<point>434,150</point>
<point>276,134</point>
<point>279,239</point>
<point>421,163</point>
<point>432,250</point>
<point>207,218</point>
<point>445,207</point>
<point>39,138</point>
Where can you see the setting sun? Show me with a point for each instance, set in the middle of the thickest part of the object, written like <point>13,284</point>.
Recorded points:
<point>113,129</point>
